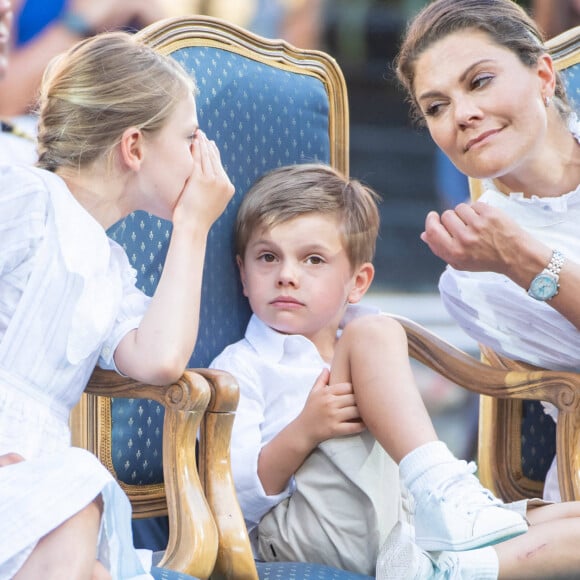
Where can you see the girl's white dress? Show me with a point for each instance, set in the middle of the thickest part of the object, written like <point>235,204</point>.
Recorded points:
<point>67,297</point>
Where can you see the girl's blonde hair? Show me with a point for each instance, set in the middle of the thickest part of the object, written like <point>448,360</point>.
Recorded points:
<point>96,90</point>
<point>295,190</point>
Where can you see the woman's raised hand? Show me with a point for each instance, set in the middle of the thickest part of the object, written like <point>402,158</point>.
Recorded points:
<point>475,238</point>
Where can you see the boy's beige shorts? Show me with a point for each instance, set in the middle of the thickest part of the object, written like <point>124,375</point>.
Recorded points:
<point>347,500</point>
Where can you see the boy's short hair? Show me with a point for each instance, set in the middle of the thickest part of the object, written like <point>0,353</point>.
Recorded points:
<point>294,190</point>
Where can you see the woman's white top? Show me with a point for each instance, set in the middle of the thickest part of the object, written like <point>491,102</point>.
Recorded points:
<point>67,297</point>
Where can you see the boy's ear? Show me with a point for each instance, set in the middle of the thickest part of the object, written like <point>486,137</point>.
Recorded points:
<point>362,281</point>
<point>132,148</point>
<point>240,264</point>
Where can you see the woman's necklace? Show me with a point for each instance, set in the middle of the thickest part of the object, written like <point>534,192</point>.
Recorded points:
<point>8,127</point>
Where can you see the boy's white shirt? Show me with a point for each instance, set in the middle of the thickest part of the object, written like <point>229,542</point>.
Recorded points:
<point>275,373</point>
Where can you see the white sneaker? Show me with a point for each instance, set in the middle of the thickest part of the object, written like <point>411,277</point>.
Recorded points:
<point>401,559</point>
<point>463,515</point>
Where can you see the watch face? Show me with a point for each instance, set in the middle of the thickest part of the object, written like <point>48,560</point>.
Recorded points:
<point>543,287</point>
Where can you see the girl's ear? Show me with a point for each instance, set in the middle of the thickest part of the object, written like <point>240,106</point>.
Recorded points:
<point>240,264</point>
<point>363,278</point>
<point>132,148</point>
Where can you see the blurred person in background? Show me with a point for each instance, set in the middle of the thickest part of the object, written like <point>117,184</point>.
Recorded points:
<point>555,16</point>
<point>5,26</point>
<point>15,145</point>
<point>43,28</point>
<point>299,22</point>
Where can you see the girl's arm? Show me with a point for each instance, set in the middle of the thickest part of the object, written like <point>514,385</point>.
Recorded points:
<point>159,350</point>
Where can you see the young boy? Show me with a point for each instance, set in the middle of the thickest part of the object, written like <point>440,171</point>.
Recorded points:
<point>328,404</point>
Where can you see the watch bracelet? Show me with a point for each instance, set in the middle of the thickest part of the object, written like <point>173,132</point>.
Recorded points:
<point>556,262</point>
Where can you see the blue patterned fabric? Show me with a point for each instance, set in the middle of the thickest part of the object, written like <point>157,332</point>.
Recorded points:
<point>164,574</point>
<point>571,78</point>
<point>301,571</point>
<point>260,118</point>
<point>538,434</point>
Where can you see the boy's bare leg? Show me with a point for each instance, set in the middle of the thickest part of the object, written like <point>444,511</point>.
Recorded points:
<point>453,512</point>
<point>372,354</point>
<point>69,551</point>
<point>547,550</point>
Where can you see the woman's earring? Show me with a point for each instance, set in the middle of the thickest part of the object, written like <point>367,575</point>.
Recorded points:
<point>547,101</point>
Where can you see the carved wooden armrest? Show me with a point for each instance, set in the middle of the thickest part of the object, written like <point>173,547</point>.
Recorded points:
<point>235,558</point>
<point>497,379</point>
<point>193,537</point>
<point>503,378</point>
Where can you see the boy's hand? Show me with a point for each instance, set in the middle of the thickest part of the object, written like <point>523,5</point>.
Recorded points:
<point>330,411</point>
<point>208,190</point>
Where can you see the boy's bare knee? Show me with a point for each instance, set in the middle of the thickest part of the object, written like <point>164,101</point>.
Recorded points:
<point>372,327</point>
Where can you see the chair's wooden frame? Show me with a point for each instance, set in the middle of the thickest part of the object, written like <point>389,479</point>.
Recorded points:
<point>499,445</point>
<point>169,35</point>
<point>207,532</point>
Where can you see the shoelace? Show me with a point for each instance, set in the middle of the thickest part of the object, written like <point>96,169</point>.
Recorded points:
<point>463,490</point>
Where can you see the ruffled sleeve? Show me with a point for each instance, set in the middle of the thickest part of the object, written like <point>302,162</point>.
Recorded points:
<point>133,306</point>
<point>23,211</point>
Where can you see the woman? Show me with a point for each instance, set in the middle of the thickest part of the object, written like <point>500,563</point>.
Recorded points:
<point>118,132</point>
<point>478,74</point>
<point>513,276</point>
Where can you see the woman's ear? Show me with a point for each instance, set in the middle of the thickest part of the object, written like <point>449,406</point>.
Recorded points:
<point>363,278</point>
<point>240,264</point>
<point>547,76</point>
<point>132,148</point>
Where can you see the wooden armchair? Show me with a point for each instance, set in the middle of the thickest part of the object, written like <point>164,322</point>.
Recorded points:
<point>517,441</point>
<point>265,104</point>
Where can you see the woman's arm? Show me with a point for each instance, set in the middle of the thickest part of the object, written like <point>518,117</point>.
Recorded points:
<point>481,238</point>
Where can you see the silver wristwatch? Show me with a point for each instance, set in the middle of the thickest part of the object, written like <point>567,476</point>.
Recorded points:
<point>546,284</point>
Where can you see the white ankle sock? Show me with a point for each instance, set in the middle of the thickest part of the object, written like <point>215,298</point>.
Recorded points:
<point>426,465</point>
<point>480,564</point>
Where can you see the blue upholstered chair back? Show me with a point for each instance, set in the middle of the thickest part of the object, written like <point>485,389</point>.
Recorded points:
<point>261,116</point>
<point>538,430</point>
